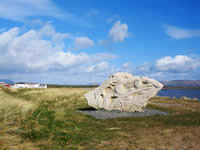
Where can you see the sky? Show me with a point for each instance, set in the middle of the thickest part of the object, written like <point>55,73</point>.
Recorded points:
<point>84,42</point>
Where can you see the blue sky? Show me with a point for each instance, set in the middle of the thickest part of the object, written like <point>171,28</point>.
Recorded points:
<point>83,42</point>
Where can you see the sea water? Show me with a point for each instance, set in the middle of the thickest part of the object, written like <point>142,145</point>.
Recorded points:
<point>191,93</point>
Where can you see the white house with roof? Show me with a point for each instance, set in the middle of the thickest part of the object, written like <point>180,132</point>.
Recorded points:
<point>2,83</point>
<point>28,85</point>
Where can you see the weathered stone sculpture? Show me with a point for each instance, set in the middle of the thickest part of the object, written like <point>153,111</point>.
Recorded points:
<point>123,92</point>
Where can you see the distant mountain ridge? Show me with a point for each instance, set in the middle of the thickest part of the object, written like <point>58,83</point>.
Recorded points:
<point>182,83</point>
<point>7,81</point>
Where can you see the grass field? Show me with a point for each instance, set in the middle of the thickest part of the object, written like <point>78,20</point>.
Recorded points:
<point>47,119</point>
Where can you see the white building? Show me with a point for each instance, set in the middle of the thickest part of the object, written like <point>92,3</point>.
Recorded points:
<point>2,83</point>
<point>28,85</point>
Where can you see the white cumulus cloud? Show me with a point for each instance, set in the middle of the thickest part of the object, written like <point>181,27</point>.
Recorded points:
<point>126,67</point>
<point>100,67</point>
<point>179,63</point>
<point>82,43</point>
<point>179,67</point>
<point>144,67</point>
<point>41,50</point>
<point>118,32</point>
<point>181,33</point>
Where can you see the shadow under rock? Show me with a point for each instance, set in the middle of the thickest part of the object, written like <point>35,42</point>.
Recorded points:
<point>87,109</point>
<point>105,114</point>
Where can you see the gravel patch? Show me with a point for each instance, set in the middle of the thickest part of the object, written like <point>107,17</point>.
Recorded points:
<point>105,114</point>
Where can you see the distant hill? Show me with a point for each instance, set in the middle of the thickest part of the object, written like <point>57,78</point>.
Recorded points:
<point>182,83</point>
<point>7,81</point>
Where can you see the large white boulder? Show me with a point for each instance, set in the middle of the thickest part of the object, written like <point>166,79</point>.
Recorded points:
<point>123,92</point>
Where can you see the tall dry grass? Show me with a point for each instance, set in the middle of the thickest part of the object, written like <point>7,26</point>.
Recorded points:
<point>12,111</point>
<point>16,105</point>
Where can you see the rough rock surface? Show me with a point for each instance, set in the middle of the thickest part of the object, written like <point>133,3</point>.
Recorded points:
<point>123,92</point>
